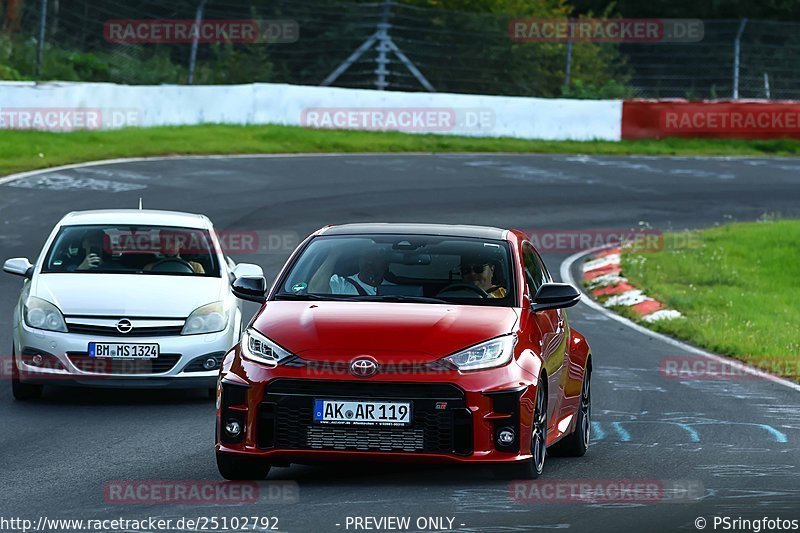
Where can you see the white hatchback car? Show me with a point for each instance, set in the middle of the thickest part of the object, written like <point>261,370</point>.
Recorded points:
<point>128,298</point>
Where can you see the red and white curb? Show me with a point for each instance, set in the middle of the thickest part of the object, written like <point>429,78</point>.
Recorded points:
<point>602,276</point>
<point>566,277</point>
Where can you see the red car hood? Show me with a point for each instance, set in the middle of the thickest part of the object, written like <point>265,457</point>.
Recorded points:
<point>390,332</point>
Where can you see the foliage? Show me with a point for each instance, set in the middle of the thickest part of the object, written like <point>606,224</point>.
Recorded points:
<point>611,89</point>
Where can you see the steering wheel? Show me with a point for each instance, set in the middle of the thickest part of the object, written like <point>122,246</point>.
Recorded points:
<point>173,264</point>
<point>465,287</point>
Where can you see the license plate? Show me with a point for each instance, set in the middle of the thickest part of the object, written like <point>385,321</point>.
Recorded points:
<point>123,350</point>
<point>362,413</point>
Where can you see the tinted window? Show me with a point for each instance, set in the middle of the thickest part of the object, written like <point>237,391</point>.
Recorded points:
<point>535,271</point>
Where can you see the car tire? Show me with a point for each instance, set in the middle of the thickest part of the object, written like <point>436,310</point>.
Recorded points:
<point>533,467</point>
<point>22,391</point>
<point>241,468</point>
<point>576,443</point>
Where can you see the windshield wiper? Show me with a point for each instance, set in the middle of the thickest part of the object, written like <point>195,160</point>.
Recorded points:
<point>401,298</point>
<point>310,296</point>
<point>355,297</point>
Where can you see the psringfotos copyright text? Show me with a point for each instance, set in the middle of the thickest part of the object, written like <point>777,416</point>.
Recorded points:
<point>756,525</point>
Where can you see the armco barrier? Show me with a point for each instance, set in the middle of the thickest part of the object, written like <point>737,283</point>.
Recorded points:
<point>740,119</point>
<point>59,106</point>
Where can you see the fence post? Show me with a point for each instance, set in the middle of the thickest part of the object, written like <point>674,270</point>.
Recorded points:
<point>568,66</point>
<point>383,46</point>
<point>40,43</point>
<point>198,18</point>
<point>736,49</point>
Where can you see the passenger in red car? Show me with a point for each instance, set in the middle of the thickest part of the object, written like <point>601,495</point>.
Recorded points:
<point>372,268</point>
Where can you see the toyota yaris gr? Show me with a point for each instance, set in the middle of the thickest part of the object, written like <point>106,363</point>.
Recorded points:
<point>125,298</point>
<point>406,342</point>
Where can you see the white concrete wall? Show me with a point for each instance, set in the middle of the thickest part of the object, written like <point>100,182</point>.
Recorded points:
<point>63,106</point>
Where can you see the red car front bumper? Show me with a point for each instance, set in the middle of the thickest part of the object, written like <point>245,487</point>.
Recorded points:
<point>456,416</point>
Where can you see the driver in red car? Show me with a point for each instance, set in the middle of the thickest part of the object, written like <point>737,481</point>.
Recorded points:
<point>480,271</point>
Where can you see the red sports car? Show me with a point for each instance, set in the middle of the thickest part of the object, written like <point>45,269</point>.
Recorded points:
<point>406,342</point>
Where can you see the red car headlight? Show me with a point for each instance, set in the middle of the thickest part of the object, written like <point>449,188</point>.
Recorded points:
<point>257,348</point>
<point>489,354</point>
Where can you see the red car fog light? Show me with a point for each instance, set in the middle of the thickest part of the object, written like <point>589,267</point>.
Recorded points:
<point>506,436</point>
<point>233,428</point>
<point>233,412</point>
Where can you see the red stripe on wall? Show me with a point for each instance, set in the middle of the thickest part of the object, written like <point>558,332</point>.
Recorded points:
<point>742,119</point>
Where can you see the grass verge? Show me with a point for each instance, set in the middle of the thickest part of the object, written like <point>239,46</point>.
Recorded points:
<point>27,150</point>
<point>737,287</point>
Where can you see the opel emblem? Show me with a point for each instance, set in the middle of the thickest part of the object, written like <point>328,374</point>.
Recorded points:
<point>363,367</point>
<point>124,326</point>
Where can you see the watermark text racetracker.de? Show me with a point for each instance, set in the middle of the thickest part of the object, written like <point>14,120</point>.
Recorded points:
<point>576,240</point>
<point>199,492</point>
<point>604,30</point>
<point>607,491</point>
<point>68,118</point>
<point>695,367</point>
<point>729,121</point>
<point>231,242</point>
<point>174,31</point>
<point>405,119</point>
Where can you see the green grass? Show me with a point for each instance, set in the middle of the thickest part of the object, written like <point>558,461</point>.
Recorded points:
<point>738,287</point>
<point>27,150</point>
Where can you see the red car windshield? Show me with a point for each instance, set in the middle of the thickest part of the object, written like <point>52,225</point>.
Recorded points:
<point>414,268</point>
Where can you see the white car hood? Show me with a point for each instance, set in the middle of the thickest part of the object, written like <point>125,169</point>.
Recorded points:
<point>128,295</point>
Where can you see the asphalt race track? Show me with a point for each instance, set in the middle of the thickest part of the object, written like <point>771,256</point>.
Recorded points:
<point>735,443</point>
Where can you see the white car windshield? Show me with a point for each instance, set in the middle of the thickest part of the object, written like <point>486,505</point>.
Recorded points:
<point>124,249</point>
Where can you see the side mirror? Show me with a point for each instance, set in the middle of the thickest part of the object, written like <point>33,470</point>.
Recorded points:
<point>555,296</point>
<point>247,270</point>
<point>250,288</point>
<point>19,266</point>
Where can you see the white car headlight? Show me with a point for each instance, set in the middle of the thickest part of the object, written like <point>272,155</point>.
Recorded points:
<point>489,354</point>
<point>260,349</point>
<point>210,318</point>
<point>41,314</point>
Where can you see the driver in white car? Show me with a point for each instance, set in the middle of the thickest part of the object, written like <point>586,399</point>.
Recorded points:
<point>92,244</point>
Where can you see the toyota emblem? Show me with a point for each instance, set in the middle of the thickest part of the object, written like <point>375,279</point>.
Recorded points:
<point>124,326</point>
<point>363,367</point>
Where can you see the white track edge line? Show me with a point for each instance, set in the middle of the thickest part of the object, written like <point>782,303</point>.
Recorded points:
<point>177,157</point>
<point>566,277</point>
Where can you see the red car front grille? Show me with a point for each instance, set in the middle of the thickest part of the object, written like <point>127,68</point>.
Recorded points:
<point>382,439</point>
<point>285,420</point>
